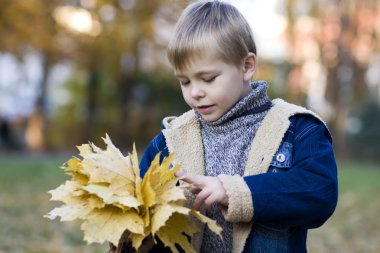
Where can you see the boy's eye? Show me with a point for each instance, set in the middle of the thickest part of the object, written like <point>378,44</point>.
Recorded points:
<point>209,79</point>
<point>184,82</point>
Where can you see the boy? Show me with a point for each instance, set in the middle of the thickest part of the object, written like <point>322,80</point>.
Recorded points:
<point>264,170</point>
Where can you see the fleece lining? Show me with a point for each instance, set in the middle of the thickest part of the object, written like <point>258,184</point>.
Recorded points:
<point>240,200</point>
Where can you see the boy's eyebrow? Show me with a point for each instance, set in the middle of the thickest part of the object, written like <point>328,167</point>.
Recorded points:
<point>200,73</point>
<point>178,75</point>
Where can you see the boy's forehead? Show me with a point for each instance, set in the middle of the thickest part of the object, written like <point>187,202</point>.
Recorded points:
<point>200,63</point>
<point>200,66</point>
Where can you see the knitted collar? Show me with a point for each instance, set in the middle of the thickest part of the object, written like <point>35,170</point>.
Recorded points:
<point>256,101</point>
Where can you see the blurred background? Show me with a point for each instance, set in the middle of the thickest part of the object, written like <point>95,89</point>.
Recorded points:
<point>73,70</point>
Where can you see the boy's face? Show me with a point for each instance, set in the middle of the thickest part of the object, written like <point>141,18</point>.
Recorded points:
<point>211,86</point>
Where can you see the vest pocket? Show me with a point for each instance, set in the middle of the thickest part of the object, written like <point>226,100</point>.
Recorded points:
<point>282,160</point>
<point>268,239</point>
<point>275,233</point>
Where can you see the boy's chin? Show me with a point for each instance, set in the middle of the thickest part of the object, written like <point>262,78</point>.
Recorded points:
<point>210,118</point>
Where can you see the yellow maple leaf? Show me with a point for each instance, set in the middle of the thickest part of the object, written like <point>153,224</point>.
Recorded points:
<point>109,223</point>
<point>147,191</point>
<point>172,233</point>
<point>107,192</point>
<point>111,197</point>
<point>136,171</point>
<point>163,212</point>
<point>67,191</point>
<point>137,240</point>
<point>95,202</point>
<point>74,168</point>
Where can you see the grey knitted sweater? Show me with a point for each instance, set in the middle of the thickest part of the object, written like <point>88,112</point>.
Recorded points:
<point>226,144</point>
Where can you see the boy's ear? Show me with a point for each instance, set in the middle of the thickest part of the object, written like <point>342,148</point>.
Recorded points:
<point>249,66</point>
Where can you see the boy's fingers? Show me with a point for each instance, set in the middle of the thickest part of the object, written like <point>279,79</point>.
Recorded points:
<point>180,174</point>
<point>200,199</point>
<point>209,202</point>
<point>189,178</point>
<point>195,190</point>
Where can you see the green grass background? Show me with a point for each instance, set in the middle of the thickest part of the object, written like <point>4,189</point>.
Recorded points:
<point>25,180</point>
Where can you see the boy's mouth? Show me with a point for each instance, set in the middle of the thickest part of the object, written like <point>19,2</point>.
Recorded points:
<point>205,109</point>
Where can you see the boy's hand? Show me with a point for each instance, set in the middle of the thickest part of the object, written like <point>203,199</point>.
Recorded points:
<point>209,190</point>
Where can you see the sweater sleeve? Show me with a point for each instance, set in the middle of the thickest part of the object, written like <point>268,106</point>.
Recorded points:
<point>306,194</point>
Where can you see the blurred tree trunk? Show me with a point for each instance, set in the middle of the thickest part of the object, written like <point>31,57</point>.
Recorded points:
<point>143,19</point>
<point>293,85</point>
<point>346,81</point>
<point>37,126</point>
<point>93,84</point>
<point>124,91</point>
<point>345,34</point>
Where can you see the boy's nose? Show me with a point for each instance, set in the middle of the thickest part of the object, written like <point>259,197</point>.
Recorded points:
<point>197,92</point>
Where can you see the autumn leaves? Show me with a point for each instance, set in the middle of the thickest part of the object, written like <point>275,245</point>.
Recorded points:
<point>107,192</point>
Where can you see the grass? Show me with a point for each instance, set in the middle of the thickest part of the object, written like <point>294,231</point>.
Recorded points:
<point>24,182</point>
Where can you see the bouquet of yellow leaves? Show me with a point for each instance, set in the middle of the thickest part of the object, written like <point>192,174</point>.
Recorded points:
<point>107,192</point>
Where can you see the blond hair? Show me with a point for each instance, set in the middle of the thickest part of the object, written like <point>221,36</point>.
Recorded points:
<point>210,26</point>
